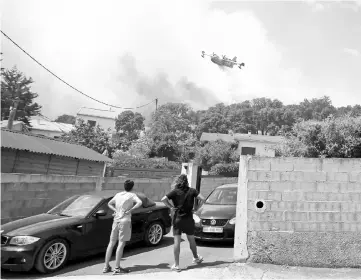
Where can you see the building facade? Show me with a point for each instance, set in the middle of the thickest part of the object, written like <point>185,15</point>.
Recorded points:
<point>105,119</point>
<point>249,144</point>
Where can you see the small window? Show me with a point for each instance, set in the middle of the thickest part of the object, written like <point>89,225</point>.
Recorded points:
<point>248,151</point>
<point>92,123</point>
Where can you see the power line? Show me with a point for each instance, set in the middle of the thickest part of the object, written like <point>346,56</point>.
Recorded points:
<point>68,83</point>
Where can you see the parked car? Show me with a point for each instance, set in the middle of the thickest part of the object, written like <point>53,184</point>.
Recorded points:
<point>79,226</point>
<point>215,219</point>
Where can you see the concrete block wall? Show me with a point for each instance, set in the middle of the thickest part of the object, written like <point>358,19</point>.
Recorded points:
<point>24,195</point>
<point>304,211</point>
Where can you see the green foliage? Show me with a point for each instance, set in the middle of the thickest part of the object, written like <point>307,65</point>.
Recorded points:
<point>66,119</point>
<point>94,138</point>
<point>333,137</point>
<point>212,153</point>
<point>129,124</point>
<point>126,160</point>
<point>225,169</point>
<point>16,86</point>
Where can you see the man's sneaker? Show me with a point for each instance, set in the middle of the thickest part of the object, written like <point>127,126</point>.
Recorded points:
<point>175,268</point>
<point>198,260</point>
<point>107,269</point>
<point>120,270</point>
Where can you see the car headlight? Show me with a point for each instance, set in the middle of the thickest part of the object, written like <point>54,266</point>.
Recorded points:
<point>196,218</point>
<point>23,240</point>
<point>232,221</point>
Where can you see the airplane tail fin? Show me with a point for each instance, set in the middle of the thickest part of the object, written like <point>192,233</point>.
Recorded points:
<point>234,59</point>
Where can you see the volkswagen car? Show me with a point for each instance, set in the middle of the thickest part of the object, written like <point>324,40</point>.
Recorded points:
<point>79,226</point>
<point>216,218</point>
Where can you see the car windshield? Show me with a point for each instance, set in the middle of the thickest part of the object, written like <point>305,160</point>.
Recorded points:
<point>79,205</point>
<point>222,197</point>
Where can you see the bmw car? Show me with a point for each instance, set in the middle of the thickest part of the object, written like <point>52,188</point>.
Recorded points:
<point>216,218</point>
<point>79,226</point>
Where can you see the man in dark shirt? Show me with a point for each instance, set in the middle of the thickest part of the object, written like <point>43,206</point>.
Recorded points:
<point>183,198</point>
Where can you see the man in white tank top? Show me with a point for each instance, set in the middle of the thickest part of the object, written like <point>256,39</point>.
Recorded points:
<point>122,204</point>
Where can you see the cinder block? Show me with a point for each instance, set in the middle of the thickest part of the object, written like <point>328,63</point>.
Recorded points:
<point>252,175</point>
<point>307,164</point>
<point>268,176</point>
<point>281,186</point>
<point>315,196</point>
<point>342,197</point>
<point>330,227</point>
<point>325,217</point>
<point>337,177</point>
<point>349,165</point>
<point>328,206</point>
<point>296,216</point>
<point>281,206</point>
<point>55,186</point>
<point>292,176</point>
<point>281,164</point>
<point>293,196</point>
<point>328,187</point>
<point>305,226</point>
<point>266,195</point>
<point>350,187</point>
<point>35,203</point>
<point>355,176</point>
<point>259,226</point>
<point>266,216</point>
<point>18,186</point>
<point>350,227</point>
<point>259,164</point>
<point>86,187</point>
<point>304,186</point>
<point>36,187</point>
<point>350,207</point>
<point>330,165</point>
<point>72,186</point>
<point>264,186</point>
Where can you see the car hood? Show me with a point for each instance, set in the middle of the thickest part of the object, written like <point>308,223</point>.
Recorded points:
<point>209,211</point>
<point>37,224</point>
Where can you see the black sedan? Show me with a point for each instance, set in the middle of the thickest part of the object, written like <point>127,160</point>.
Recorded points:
<point>79,226</point>
<point>215,219</point>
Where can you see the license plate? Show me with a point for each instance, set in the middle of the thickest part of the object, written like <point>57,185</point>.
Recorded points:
<point>212,229</point>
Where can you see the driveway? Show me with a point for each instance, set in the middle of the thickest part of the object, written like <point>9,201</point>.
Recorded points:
<point>140,259</point>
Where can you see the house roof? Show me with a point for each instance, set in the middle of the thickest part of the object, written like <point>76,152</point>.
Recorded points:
<point>91,112</point>
<point>4,123</point>
<point>40,124</point>
<point>44,145</point>
<point>241,137</point>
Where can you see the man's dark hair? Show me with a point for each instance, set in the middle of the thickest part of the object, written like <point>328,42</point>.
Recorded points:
<point>182,183</point>
<point>128,185</point>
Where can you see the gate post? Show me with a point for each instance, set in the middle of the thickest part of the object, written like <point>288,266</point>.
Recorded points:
<point>240,251</point>
<point>194,175</point>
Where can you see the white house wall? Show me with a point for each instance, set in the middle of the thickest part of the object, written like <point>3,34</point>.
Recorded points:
<point>262,149</point>
<point>102,122</point>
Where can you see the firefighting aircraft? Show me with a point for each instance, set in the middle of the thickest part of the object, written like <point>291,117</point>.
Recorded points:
<point>224,61</point>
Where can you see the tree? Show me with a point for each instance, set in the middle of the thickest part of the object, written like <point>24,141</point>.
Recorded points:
<point>15,86</point>
<point>317,108</point>
<point>214,120</point>
<point>129,124</point>
<point>170,118</point>
<point>334,137</point>
<point>66,119</point>
<point>212,153</point>
<point>94,138</point>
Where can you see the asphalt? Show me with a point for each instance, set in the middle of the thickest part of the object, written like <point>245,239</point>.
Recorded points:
<point>235,271</point>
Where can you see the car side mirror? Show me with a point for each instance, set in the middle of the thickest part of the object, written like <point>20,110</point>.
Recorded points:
<point>100,213</point>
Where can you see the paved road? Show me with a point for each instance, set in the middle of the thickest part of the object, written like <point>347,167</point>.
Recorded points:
<point>142,259</point>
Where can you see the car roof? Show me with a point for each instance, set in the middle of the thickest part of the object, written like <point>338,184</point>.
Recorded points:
<point>228,186</point>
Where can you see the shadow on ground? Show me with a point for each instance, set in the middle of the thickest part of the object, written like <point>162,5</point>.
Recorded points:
<point>81,263</point>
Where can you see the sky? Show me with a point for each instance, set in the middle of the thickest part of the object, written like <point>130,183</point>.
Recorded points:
<point>127,53</point>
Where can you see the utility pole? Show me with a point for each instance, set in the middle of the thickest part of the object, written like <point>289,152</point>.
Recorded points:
<point>12,114</point>
<point>156,104</point>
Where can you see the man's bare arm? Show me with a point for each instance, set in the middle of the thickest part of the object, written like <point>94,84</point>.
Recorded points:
<point>111,205</point>
<point>166,201</point>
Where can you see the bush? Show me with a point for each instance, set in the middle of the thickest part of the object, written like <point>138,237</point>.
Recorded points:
<point>225,169</point>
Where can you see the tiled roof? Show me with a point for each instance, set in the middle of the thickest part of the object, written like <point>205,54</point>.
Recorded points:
<point>240,137</point>
<point>44,145</point>
<point>91,112</point>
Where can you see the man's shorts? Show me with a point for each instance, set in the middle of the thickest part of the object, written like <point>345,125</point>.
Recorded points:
<point>121,232</point>
<point>183,225</point>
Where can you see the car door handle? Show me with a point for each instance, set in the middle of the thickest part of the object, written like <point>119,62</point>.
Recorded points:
<point>80,226</point>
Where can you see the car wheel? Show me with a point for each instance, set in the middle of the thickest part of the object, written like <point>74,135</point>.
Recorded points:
<point>154,234</point>
<point>52,256</point>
